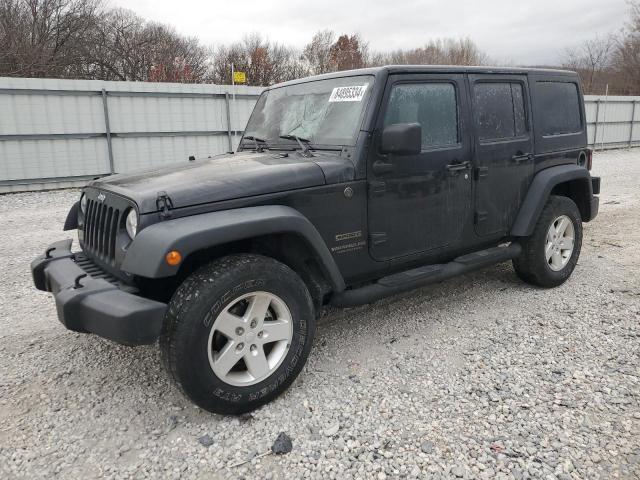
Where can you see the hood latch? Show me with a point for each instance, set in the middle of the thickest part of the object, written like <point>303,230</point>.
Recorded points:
<point>164,205</point>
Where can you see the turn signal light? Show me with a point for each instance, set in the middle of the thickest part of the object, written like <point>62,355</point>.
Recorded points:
<point>173,258</point>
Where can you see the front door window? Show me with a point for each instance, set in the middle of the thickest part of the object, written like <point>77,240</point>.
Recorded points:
<point>432,105</point>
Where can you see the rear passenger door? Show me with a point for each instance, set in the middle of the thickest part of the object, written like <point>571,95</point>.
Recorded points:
<point>504,160</point>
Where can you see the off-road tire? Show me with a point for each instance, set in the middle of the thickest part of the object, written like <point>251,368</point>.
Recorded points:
<point>531,265</point>
<point>191,313</point>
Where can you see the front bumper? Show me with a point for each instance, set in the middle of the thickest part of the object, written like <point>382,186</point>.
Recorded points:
<point>89,304</point>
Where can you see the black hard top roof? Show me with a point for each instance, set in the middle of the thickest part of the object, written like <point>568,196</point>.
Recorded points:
<point>431,69</point>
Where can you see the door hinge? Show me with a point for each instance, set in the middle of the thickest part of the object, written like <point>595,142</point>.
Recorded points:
<point>377,238</point>
<point>164,205</point>
<point>480,216</point>
<point>377,188</point>
<point>481,172</point>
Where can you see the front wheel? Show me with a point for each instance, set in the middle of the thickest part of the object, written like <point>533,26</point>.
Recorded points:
<point>237,333</point>
<point>550,254</point>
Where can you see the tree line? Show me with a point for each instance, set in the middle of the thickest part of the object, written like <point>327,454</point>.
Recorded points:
<point>82,39</point>
<point>85,39</point>
<point>610,63</point>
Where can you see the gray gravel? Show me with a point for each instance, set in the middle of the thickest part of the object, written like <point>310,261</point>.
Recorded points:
<point>479,377</point>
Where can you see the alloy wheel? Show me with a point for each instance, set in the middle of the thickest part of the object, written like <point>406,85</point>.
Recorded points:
<point>560,243</point>
<point>250,338</point>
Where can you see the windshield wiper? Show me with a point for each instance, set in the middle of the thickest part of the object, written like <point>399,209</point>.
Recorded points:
<point>303,142</point>
<point>259,148</point>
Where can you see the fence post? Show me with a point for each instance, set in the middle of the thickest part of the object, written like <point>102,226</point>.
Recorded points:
<point>228,108</point>
<point>633,118</point>
<point>107,127</point>
<point>595,128</point>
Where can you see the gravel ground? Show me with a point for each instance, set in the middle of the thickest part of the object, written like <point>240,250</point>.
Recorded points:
<point>479,377</point>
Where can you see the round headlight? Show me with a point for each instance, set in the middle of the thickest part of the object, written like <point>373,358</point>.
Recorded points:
<point>83,203</point>
<point>132,223</point>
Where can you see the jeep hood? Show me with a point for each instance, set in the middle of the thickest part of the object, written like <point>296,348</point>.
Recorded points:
<point>225,177</point>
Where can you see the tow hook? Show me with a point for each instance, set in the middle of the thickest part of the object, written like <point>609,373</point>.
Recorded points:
<point>77,283</point>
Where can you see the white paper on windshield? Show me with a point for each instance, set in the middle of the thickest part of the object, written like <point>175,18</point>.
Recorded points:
<point>348,94</point>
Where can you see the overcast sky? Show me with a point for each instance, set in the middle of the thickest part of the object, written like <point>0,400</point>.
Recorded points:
<point>522,32</point>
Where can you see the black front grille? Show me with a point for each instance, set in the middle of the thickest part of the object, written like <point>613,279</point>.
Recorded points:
<point>101,230</point>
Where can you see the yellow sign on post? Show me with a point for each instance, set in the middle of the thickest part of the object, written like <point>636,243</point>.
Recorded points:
<point>239,77</point>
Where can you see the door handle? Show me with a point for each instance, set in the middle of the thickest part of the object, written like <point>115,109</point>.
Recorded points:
<point>522,157</point>
<point>380,167</point>
<point>456,167</point>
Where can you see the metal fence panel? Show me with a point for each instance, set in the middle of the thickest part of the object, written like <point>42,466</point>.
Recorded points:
<point>613,121</point>
<point>22,160</point>
<point>56,132</point>
<point>50,114</point>
<point>143,152</point>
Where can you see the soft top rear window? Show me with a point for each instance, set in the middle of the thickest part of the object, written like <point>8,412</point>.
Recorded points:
<point>559,104</point>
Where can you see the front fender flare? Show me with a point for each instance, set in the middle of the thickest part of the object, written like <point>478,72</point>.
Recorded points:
<point>145,255</point>
<point>539,192</point>
<point>71,223</point>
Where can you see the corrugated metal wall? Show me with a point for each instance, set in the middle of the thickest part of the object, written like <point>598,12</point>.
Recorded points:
<point>613,121</point>
<point>58,133</point>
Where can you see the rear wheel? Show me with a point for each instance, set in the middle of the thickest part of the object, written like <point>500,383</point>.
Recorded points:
<point>550,254</point>
<point>238,332</point>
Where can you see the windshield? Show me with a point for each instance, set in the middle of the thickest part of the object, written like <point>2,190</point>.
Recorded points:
<point>324,112</point>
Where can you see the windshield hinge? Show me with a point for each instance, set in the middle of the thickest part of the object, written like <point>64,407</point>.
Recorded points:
<point>164,205</point>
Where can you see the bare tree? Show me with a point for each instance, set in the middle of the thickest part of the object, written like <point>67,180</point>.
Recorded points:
<point>593,58</point>
<point>463,52</point>
<point>78,39</point>
<point>347,53</point>
<point>317,52</point>
<point>627,53</point>
<point>435,52</point>
<point>288,63</point>
<point>125,47</point>
<point>264,63</point>
<point>40,38</point>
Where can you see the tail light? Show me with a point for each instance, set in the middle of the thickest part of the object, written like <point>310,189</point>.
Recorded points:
<point>589,159</point>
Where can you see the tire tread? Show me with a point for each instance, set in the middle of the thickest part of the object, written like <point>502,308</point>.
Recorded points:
<point>530,265</point>
<point>177,325</point>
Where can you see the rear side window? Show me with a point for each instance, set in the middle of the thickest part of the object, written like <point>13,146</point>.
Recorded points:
<point>432,105</point>
<point>500,110</point>
<point>560,106</point>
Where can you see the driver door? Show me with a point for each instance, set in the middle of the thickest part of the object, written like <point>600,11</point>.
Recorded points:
<point>419,203</point>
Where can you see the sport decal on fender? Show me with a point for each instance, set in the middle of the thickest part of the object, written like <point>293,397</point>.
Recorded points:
<point>348,94</point>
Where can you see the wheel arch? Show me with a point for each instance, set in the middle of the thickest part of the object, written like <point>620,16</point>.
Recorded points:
<point>578,190</point>
<point>277,231</point>
<point>288,248</point>
<point>570,181</point>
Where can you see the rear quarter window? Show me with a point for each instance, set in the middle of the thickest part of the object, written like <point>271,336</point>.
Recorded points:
<point>559,104</point>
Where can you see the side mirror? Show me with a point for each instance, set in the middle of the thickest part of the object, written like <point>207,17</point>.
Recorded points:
<point>402,139</point>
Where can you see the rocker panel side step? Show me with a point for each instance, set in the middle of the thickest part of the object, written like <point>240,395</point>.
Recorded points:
<point>409,276</point>
<point>489,256</point>
<point>425,275</point>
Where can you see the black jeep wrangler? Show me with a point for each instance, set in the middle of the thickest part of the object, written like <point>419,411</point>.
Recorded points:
<point>345,188</point>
